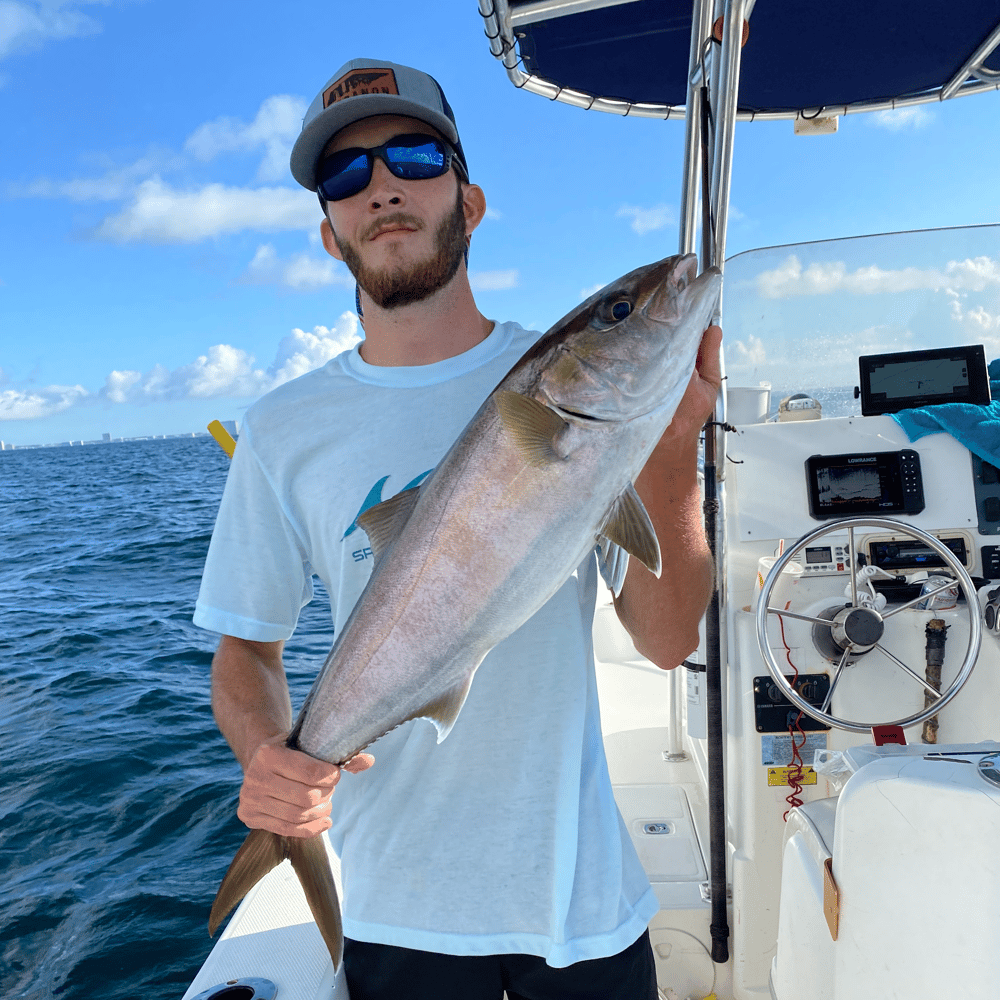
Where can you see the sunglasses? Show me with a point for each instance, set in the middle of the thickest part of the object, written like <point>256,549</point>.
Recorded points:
<point>410,157</point>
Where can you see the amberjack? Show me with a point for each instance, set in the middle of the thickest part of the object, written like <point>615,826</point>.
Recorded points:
<point>541,474</point>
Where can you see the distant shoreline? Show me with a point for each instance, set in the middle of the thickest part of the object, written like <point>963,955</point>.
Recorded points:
<point>5,446</point>
<point>230,425</point>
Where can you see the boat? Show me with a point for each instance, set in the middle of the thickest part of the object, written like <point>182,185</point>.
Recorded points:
<point>814,794</point>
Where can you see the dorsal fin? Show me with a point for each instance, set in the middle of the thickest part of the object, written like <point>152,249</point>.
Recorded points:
<point>533,425</point>
<point>383,522</point>
<point>627,524</point>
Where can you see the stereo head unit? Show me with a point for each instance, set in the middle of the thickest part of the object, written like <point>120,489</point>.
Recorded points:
<point>882,482</point>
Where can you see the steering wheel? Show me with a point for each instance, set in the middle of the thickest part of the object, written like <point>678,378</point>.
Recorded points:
<point>857,629</point>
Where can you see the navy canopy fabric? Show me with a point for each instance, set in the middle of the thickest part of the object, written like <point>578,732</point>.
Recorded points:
<point>799,54</point>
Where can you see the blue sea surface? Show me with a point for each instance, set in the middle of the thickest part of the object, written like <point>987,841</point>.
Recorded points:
<point>117,792</point>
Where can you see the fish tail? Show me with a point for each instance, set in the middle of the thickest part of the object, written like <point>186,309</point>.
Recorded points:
<point>312,865</point>
<point>262,851</point>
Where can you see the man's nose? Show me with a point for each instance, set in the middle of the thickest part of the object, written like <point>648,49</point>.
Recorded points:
<point>384,188</point>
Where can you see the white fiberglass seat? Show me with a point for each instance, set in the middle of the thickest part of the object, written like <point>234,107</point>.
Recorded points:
<point>913,841</point>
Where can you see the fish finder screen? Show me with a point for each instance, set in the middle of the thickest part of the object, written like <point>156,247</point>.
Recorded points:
<point>911,379</point>
<point>946,377</point>
<point>887,482</point>
<point>841,485</point>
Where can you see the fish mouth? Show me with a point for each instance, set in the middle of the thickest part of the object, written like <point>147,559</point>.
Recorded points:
<point>674,288</point>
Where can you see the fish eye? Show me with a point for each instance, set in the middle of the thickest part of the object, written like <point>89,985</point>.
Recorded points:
<point>621,309</point>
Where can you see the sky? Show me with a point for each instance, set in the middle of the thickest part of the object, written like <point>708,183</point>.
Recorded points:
<point>159,268</point>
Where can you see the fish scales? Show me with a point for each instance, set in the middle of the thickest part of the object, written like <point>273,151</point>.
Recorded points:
<point>541,472</point>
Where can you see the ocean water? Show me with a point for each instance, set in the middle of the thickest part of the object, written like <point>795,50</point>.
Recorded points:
<point>117,792</point>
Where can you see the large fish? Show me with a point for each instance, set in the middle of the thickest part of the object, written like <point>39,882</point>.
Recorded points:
<point>542,472</point>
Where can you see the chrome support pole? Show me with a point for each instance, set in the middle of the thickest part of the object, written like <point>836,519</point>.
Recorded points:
<point>701,17</point>
<point>675,733</point>
<point>973,66</point>
<point>725,83</point>
<point>544,10</point>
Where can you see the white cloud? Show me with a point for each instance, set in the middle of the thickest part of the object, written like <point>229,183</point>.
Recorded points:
<point>32,404</point>
<point>493,281</point>
<point>646,220</point>
<point>116,183</point>
<point>28,24</point>
<point>978,324</point>
<point>224,371</point>
<point>301,272</point>
<point>585,293</point>
<point>274,130</point>
<point>898,119</point>
<point>745,355</point>
<point>791,279</point>
<point>301,352</point>
<point>162,214</point>
<point>493,214</point>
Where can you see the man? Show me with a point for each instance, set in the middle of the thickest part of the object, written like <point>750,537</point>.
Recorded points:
<point>497,860</point>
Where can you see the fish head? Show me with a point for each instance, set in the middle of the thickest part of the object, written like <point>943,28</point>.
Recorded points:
<point>630,349</point>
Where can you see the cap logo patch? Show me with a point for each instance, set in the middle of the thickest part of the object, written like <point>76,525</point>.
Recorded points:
<point>358,82</point>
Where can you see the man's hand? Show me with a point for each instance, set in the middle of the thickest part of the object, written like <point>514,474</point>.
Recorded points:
<point>662,615</point>
<point>698,401</point>
<point>284,791</point>
<point>288,792</point>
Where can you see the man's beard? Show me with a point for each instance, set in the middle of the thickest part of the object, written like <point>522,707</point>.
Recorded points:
<point>404,284</point>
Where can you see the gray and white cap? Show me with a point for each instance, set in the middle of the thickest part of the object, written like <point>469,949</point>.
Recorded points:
<point>360,89</point>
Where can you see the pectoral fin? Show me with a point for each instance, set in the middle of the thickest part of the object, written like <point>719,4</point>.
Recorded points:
<point>383,522</point>
<point>261,852</point>
<point>534,426</point>
<point>627,524</point>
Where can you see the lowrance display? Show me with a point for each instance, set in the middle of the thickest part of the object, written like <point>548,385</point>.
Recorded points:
<point>884,482</point>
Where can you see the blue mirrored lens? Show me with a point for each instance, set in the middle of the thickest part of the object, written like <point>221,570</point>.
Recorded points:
<point>416,162</point>
<point>349,171</point>
<point>344,174</point>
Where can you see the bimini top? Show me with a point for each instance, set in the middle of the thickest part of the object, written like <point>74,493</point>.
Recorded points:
<point>801,59</point>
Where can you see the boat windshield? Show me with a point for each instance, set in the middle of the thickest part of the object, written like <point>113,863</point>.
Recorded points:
<point>800,316</point>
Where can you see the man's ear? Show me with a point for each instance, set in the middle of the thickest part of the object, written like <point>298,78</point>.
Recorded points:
<point>329,242</point>
<point>474,206</point>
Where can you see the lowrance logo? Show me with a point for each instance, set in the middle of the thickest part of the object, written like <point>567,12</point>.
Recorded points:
<point>867,460</point>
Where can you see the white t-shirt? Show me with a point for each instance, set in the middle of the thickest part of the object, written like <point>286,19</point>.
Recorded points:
<point>505,838</point>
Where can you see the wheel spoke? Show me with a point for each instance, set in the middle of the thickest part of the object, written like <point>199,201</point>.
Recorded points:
<point>899,663</point>
<point>801,618</point>
<point>835,681</point>
<point>853,557</point>
<point>917,600</point>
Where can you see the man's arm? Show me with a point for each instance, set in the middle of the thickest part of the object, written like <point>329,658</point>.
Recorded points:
<point>662,615</point>
<point>284,791</point>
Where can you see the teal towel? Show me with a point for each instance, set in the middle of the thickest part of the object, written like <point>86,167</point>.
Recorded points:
<point>976,427</point>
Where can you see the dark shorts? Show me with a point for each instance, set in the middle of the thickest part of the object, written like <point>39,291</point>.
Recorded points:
<point>384,972</point>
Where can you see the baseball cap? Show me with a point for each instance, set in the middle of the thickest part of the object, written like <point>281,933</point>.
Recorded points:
<point>360,89</point>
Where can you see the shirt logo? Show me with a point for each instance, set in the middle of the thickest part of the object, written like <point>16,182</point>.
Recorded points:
<point>358,82</point>
<point>374,498</point>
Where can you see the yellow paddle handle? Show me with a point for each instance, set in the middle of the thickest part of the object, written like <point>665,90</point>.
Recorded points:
<point>223,437</point>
